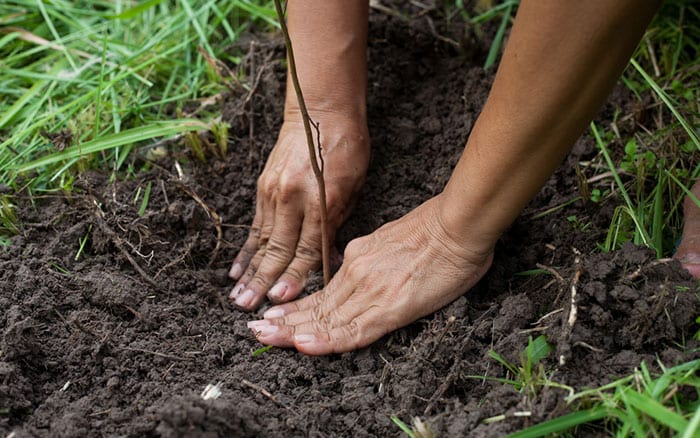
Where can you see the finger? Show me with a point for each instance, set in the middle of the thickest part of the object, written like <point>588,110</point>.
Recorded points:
<point>329,306</point>
<point>279,251</point>
<point>344,330</point>
<point>270,334</point>
<point>329,312</point>
<point>250,247</point>
<point>357,333</point>
<point>278,329</point>
<point>248,275</point>
<point>307,258</point>
<point>266,226</point>
<point>325,300</point>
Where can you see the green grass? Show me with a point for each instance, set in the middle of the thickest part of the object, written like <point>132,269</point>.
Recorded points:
<point>84,84</point>
<point>529,375</point>
<point>660,161</point>
<point>642,404</point>
<point>106,77</point>
<point>654,167</point>
<point>649,172</point>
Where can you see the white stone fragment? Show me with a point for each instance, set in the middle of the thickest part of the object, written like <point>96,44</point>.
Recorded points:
<point>211,391</point>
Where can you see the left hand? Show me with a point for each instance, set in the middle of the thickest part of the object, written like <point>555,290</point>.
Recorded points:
<point>405,270</point>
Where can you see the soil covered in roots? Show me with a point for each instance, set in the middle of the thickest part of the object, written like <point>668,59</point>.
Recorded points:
<point>123,338</point>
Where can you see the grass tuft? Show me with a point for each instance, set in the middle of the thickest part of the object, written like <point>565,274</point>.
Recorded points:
<point>112,73</point>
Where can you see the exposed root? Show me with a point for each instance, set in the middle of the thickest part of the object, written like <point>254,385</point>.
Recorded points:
<point>456,366</point>
<point>266,393</point>
<point>210,212</point>
<point>552,271</point>
<point>444,386</point>
<point>564,346</point>
<point>119,243</point>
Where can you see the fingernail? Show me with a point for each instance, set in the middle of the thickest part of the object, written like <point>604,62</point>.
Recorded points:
<point>236,291</point>
<point>257,325</point>
<point>274,312</point>
<point>246,298</point>
<point>304,339</point>
<point>277,292</point>
<point>268,330</point>
<point>236,271</point>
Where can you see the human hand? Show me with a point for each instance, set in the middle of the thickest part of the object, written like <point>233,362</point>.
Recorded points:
<point>285,238</point>
<point>406,269</point>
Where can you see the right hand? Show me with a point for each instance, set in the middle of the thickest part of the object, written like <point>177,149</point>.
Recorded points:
<point>284,242</point>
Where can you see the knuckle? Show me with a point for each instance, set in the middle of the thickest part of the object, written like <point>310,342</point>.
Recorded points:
<point>352,332</point>
<point>317,310</point>
<point>287,190</point>
<point>250,271</point>
<point>296,273</point>
<point>268,190</point>
<point>261,281</point>
<point>263,184</point>
<point>322,325</point>
<point>352,250</point>
<point>280,251</point>
<point>356,271</point>
<point>308,252</point>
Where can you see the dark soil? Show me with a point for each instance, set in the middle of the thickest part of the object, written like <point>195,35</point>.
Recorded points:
<point>123,340</point>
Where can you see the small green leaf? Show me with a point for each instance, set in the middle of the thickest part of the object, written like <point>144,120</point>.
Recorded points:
<point>538,349</point>
<point>260,351</point>
<point>144,201</point>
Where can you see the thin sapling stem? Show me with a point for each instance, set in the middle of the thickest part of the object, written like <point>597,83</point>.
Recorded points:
<point>318,170</point>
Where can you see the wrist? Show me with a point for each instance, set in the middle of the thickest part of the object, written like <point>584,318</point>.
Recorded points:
<point>329,112</point>
<point>329,40</point>
<point>466,225</point>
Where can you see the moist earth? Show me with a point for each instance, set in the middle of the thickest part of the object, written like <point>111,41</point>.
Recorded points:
<point>122,336</point>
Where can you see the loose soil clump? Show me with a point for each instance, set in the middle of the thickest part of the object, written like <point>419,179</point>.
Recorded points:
<point>123,339</point>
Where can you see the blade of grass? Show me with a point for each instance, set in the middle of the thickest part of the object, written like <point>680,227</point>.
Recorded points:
<point>683,187</point>
<point>562,423</point>
<point>669,103</point>
<point>657,411</point>
<point>657,222</point>
<point>692,430</point>
<point>56,37</point>
<point>403,426</point>
<point>134,135</point>
<point>204,41</point>
<point>498,39</point>
<point>135,11</point>
<point>261,350</point>
<point>630,206</point>
<point>144,201</point>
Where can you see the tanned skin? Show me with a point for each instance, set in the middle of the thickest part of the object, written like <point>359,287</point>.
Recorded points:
<point>560,63</point>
